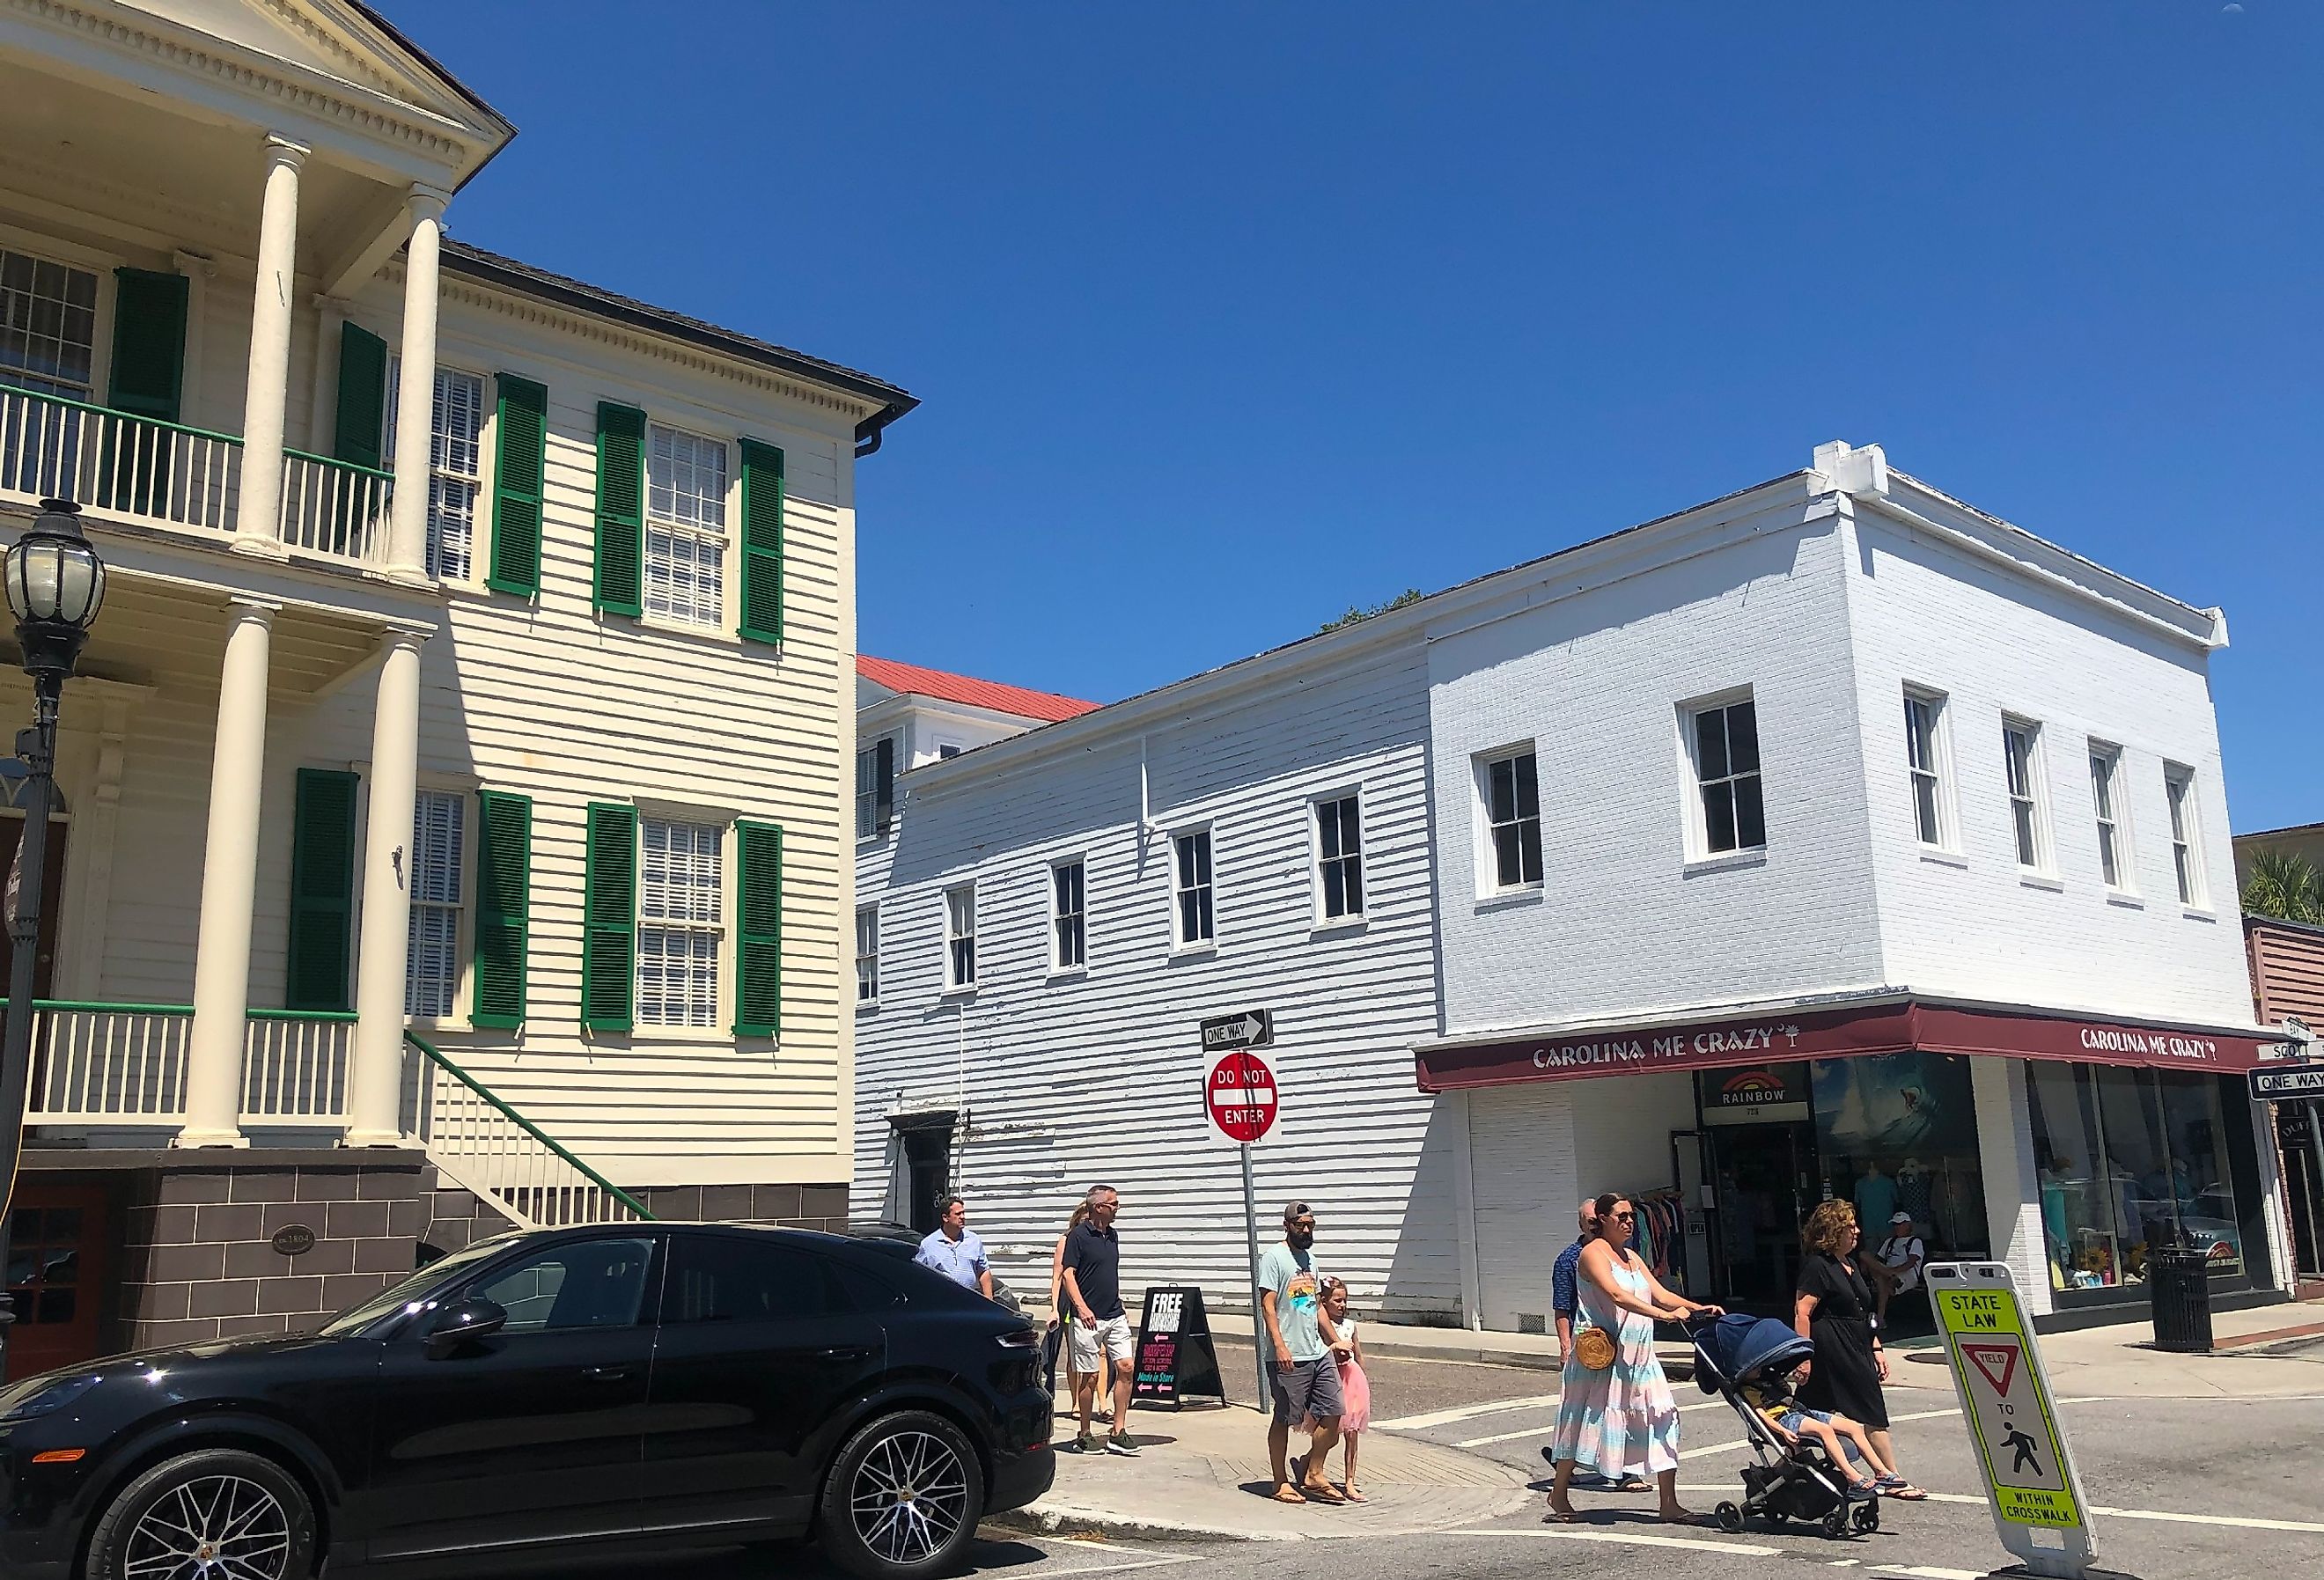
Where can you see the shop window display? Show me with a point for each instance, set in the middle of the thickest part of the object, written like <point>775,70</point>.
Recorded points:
<point>1898,1132</point>
<point>2129,1159</point>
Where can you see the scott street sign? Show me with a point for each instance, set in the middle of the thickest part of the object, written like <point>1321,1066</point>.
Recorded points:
<point>1251,1028</point>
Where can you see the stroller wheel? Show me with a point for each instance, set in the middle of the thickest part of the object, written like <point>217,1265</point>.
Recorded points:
<point>1835,1524</point>
<point>1868,1519</point>
<point>1729,1518</point>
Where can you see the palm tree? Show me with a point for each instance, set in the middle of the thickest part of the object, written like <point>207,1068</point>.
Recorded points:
<point>2284,886</point>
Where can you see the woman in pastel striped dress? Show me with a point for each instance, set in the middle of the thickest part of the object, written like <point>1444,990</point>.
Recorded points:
<point>1620,1419</point>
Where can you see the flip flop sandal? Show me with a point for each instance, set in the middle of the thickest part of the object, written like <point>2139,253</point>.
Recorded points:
<point>1288,1495</point>
<point>1555,1517</point>
<point>1631,1484</point>
<point>1324,1494</point>
<point>1898,1488</point>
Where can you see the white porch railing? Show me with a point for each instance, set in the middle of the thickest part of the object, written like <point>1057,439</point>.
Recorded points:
<point>167,475</point>
<point>334,507</point>
<point>125,1065</point>
<point>487,1147</point>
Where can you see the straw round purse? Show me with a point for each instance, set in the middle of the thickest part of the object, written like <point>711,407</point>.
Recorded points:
<point>1594,1348</point>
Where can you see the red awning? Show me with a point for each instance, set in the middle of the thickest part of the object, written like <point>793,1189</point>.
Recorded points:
<point>1888,1026</point>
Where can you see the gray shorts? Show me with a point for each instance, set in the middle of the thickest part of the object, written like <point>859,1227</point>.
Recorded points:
<point>1309,1391</point>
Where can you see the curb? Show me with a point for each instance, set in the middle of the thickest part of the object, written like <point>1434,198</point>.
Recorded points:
<point>1055,1518</point>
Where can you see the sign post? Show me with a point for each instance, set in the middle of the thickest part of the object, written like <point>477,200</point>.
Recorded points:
<point>2038,1509</point>
<point>1241,1098</point>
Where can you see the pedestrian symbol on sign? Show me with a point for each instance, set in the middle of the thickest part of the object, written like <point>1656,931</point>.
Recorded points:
<point>2016,1439</point>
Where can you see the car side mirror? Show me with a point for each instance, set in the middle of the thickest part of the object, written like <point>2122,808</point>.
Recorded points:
<point>472,1319</point>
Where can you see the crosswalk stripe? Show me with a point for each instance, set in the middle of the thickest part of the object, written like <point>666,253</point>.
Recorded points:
<point>1547,1429</point>
<point>1632,1538</point>
<point>1466,1412</point>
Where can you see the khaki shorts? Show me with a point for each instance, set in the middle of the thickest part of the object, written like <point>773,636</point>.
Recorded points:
<point>1308,1391</point>
<point>1109,1339</point>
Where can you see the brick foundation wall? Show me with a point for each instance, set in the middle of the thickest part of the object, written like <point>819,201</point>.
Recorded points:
<point>797,1207</point>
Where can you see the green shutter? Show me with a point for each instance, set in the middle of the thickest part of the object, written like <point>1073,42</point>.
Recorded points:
<point>504,905</point>
<point>361,434</point>
<point>621,508</point>
<point>322,890</point>
<point>609,919</point>
<point>759,943</point>
<point>763,542</point>
<point>521,439</point>
<point>149,344</point>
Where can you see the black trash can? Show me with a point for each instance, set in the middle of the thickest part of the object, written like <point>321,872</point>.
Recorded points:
<point>2179,1283</point>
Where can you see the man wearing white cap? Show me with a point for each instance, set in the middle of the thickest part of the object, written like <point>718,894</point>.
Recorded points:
<point>1901,1256</point>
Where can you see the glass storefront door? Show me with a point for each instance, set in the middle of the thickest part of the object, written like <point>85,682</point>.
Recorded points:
<point>1763,1180</point>
<point>2302,1137</point>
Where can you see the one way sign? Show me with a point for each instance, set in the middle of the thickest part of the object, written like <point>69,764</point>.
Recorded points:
<point>1251,1028</point>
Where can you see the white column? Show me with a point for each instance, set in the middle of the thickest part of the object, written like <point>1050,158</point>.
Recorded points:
<point>375,1084</point>
<point>257,521</point>
<point>230,885</point>
<point>415,390</point>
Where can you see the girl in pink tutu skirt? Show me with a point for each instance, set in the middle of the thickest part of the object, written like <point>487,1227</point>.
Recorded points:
<point>1355,1387</point>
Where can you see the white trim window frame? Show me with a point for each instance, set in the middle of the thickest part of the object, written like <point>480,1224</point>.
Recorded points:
<point>1068,915</point>
<point>2110,812</point>
<point>1336,850</point>
<point>1727,809</point>
<point>2186,835</point>
<point>688,477</point>
<point>1928,766</point>
<point>960,938</point>
<point>456,464</point>
<point>434,959</point>
<point>1509,821</point>
<point>867,957</point>
<point>2029,795</point>
<point>1193,891</point>
<point>49,323</point>
<point>681,922</point>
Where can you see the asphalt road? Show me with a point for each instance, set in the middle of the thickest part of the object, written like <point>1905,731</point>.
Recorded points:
<point>2205,1490</point>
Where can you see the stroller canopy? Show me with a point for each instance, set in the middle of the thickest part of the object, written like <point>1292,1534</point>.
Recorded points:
<point>1736,1345</point>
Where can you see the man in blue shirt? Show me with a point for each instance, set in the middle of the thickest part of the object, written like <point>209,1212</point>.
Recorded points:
<point>1564,1293</point>
<point>956,1251</point>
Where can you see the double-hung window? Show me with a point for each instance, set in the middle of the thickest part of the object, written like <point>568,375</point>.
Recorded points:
<point>1924,763</point>
<point>686,526</point>
<point>456,464</point>
<point>2019,741</point>
<point>681,919</point>
<point>867,955</point>
<point>1191,877</point>
<point>1068,906</point>
<point>2186,846</point>
<point>960,938</point>
<point>431,972</point>
<point>1724,741</point>
<point>1510,790</point>
<point>2106,805</point>
<point>1340,858</point>
<point>48,326</point>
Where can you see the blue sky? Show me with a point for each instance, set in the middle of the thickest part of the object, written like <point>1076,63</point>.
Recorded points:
<point>1228,316</point>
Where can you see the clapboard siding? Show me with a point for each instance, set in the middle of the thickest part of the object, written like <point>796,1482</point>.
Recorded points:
<point>547,698</point>
<point>2287,970</point>
<point>1098,1077</point>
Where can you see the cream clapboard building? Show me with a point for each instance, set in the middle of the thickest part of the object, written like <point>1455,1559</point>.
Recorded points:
<point>477,661</point>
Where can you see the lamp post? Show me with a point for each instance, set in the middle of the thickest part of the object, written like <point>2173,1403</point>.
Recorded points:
<point>55,584</point>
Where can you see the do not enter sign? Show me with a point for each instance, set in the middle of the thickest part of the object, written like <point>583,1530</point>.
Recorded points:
<point>1240,1097</point>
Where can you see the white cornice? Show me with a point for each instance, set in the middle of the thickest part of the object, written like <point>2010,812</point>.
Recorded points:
<point>359,67</point>
<point>372,112</point>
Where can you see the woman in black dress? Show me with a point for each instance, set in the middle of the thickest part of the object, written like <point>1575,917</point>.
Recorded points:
<point>1834,1312</point>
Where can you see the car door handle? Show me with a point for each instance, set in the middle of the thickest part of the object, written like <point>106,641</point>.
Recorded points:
<point>605,1373</point>
<point>847,1353</point>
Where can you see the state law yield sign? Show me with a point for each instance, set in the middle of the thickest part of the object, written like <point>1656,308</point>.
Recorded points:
<point>2038,1509</point>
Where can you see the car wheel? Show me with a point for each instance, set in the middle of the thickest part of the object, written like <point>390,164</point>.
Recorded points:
<point>203,1516</point>
<point>903,1499</point>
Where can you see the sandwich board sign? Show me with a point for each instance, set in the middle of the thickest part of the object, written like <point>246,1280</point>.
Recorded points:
<point>2038,1508</point>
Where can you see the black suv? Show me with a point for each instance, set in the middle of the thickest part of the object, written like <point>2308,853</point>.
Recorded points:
<point>647,1385</point>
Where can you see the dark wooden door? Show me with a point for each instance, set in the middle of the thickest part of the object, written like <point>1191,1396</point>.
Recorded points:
<point>56,1274</point>
<point>52,890</point>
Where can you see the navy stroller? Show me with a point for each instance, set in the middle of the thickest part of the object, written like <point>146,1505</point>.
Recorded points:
<point>1799,1482</point>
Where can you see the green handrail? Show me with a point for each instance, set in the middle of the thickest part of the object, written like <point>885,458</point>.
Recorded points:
<point>74,406</point>
<point>357,467</point>
<point>435,1055</point>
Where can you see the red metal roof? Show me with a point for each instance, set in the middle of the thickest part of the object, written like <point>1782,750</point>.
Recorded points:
<point>1046,706</point>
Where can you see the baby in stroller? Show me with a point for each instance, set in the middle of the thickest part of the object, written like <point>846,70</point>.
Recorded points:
<point>1801,1472</point>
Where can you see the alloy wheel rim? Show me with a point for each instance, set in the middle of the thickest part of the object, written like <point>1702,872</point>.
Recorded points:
<point>909,1497</point>
<point>212,1527</point>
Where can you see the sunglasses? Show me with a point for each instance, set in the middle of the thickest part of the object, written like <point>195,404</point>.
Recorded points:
<point>1303,1224</point>
<point>1623,1217</point>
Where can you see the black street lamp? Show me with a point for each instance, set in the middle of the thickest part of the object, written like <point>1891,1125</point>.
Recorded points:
<point>56,583</point>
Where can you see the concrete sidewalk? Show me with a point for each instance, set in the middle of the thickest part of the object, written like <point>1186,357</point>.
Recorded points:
<point>1204,1474</point>
<point>2268,1351</point>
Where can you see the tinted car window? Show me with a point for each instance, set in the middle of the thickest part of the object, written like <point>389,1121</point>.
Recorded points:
<point>586,1284</point>
<point>720,1277</point>
<point>418,1286</point>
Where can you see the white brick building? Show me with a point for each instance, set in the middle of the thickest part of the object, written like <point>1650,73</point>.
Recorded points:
<point>1747,856</point>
